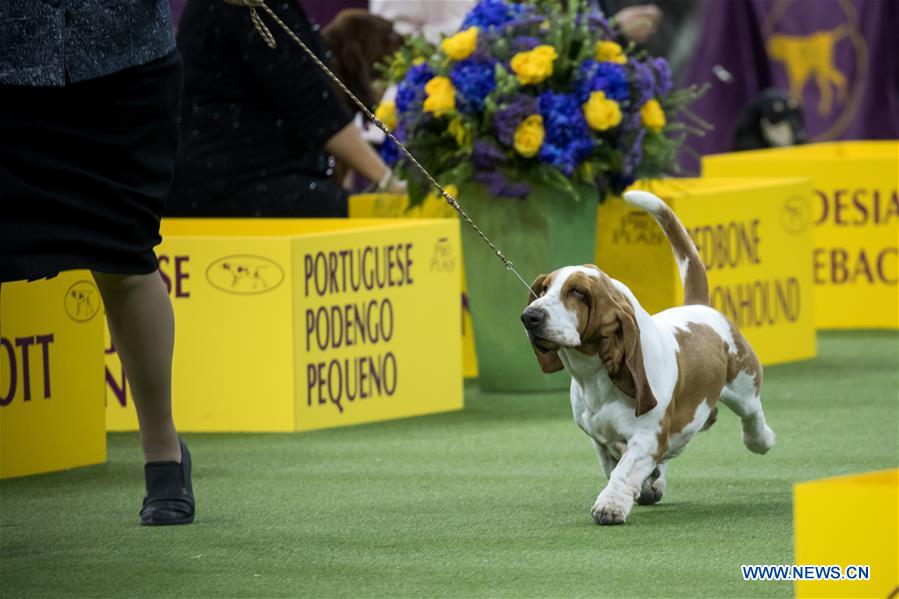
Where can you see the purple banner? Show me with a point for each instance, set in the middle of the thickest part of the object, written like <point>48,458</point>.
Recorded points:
<point>838,58</point>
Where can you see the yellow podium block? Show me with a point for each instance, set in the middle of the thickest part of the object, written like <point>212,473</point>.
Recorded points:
<point>855,213</point>
<point>757,257</point>
<point>296,325</point>
<point>849,521</point>
<point>51,375</point>
<point>387,205</point>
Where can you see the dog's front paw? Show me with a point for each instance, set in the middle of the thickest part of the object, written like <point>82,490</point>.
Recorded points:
<point>609,512</point>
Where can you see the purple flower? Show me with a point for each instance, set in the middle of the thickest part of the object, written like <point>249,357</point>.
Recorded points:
<point>644,81</point>
<point>491,13</point>
<point>568,141</point>
<point>402,129</point>
<point>523,43</point>
<point>524,21</point>
<point>411,88</point>
<point>499,185</point>
<point>506,120</point>
<point>596,21</point>
<point>631,143</point>
<point>486,156</point>
<point>602,76</point>
<point>473,78</point>
<point>634,155</point>
<point>662,75</point>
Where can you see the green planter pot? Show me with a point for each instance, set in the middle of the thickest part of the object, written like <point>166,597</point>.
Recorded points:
<point>546,231</point>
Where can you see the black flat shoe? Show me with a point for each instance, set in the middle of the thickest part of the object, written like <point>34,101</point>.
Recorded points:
<point>170,494</point>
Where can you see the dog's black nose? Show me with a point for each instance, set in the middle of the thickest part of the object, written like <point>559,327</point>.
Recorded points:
<point>532,318</point>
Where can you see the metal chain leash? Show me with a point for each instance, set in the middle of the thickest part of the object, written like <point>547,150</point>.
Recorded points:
<point>269,39</point>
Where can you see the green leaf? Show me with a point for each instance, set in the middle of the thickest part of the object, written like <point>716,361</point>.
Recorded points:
<point>555,178</point>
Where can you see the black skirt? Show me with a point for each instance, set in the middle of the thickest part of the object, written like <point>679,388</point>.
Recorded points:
<point>85,171</point>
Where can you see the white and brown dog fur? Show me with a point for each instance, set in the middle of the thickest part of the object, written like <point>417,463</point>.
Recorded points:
<point>641,385</point>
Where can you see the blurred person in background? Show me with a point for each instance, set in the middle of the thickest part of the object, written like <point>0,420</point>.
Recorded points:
<point>668,28</point>
<point>259,125</point>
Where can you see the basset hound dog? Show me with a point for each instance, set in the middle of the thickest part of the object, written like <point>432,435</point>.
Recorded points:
<point>641,385</point>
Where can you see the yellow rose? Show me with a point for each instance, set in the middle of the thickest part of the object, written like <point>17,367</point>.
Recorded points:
<point>459,132</point>
<point>441,96</point>
<point>601,113</point>
<point>386,113</point>
<point>652,115</point>
<point>461,45</point>
<point>529,136</point>
<point>535,65</point>
<point>610,52</point>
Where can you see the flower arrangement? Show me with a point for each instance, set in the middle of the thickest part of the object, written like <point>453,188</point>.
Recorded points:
<point>533,92</point>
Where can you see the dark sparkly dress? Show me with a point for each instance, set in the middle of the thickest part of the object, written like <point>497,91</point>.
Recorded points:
<point>89,95</point>
<point>254,121</point>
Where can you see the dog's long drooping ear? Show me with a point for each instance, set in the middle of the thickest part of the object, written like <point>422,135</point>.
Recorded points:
<point>612,321</point>
<point>633,358</point>
<point>549,361</point>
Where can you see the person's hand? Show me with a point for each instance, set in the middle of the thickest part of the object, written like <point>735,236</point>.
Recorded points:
<point>390,184</point>
<point>638,23</point>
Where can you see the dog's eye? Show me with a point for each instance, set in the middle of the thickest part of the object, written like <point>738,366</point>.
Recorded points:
<point>576,293</point>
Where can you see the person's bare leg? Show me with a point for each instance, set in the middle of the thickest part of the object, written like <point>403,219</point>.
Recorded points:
<point>142,326</point>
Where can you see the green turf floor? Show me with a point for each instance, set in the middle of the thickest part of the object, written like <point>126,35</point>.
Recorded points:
<point>493,501</point>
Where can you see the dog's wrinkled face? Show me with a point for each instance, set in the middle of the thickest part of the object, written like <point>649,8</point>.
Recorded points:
<point>559,314</point>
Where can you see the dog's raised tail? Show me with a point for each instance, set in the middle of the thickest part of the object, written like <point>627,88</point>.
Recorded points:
<point>692,270</point>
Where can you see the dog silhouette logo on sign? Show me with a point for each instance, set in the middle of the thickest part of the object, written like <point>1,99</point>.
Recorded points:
<point>82,301</point>
<point>244,275</point>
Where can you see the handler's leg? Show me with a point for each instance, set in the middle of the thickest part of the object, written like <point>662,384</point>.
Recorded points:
<point>142,326</point>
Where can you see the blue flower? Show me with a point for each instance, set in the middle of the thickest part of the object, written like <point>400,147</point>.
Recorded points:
<point>411,90</point>
<point>568,141</point>
<point>491,13</point>
<point>607,77</point>
<point>662,75</point>
<point>389,152</point>
<point>473,79</point>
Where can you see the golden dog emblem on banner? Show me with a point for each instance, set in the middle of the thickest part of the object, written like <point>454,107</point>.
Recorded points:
<point>831,59</point>
<point>808,57</point>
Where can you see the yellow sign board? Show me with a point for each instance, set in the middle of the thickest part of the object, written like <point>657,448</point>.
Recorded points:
<point>397,206</point>
<point>855,212</point>
<point>866,536</point>
<point>51,375</point>
<point>285,325</point>
<point>754,247</point>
